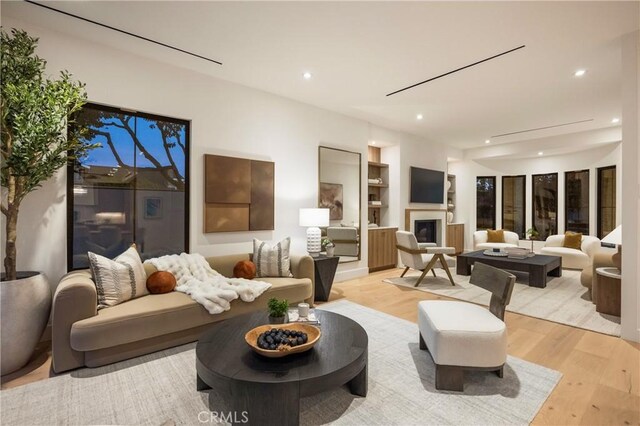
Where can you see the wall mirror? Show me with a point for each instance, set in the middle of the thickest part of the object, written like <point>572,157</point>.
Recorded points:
<point>339,191</point>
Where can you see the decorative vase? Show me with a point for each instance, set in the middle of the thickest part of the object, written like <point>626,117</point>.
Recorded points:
<point>449,217</point>
<point>25,304</point>
<point>330,251</point>
<point>278,320</point>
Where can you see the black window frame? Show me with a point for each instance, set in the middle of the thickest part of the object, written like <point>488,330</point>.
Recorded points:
<point>494,221</point>
<point>187,177</point>
<point>598,200</point>
<point>533,198</point>
<point>524,204</point>
<point>566,198</point>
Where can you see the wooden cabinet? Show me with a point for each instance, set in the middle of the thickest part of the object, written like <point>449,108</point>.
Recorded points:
<point>382,249</point>
<point>455,236</point>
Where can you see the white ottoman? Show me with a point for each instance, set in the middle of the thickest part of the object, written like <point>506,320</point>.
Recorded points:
<point>459,336</point>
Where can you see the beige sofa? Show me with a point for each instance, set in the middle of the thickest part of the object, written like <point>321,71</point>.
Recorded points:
<point>83,336</point>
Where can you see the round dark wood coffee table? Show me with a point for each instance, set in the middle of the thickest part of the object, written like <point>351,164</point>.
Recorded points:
<point>268,390</point>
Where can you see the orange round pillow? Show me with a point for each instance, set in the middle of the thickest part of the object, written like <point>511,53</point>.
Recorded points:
<point>161,282</point>
<point>245,269</point>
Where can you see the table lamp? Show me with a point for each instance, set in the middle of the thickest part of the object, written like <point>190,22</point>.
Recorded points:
<point>312,219</point>
<point>615,238</point>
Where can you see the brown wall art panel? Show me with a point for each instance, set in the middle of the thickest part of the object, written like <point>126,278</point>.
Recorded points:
<point>239,194</point>
<point>261,215</point>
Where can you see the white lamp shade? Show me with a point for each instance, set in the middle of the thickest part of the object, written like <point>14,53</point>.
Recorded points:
<point>614,237</point>
<point>314,217</point>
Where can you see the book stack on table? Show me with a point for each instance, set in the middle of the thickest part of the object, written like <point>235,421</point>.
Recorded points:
<point>518,253</point>
<point>311,319</point>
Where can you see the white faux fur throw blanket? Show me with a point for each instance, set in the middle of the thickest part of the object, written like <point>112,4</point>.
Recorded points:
<point>196,278</point>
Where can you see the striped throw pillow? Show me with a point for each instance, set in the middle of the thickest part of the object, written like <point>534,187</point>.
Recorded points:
<point>120,279</point>
<point>272,261</point>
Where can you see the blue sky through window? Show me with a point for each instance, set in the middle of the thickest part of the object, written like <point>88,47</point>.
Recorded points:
<point>148,134</point>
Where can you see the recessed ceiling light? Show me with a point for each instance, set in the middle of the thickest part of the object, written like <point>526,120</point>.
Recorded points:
<point>487,141</point>
<point>615,120</point>
<point>419,116</point>
<point>373,142</point>
<point>540,152</point>
<point>306,75</point>
<point>579,73</point>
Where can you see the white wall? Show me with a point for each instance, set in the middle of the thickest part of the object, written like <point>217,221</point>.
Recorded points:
<point>631,195</point>
<point>226,119</point>
<point>466,172</point>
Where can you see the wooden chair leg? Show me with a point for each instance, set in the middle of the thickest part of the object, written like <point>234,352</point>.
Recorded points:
<point>443,262</point>
<point>500,372</point>
<point>421,277</point>
<point>433,271</point>
<point>404,272</point>
<point>426,270</point>
<point>449,378</point>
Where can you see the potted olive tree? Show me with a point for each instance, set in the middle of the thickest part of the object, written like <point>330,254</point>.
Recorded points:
<point>36,112</point>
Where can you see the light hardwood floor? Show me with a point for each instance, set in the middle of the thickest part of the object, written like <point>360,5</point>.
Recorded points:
<point>601,373</point>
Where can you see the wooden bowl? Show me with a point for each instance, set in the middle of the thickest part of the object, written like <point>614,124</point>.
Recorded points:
<point>313,334</point>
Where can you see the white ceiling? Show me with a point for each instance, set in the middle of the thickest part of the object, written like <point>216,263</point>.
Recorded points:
<point>360,51</point>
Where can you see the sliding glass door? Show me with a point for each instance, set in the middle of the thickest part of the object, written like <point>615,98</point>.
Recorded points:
<point>576,195</point>
<point>485,202</point>
<point>606,200</point>
<point>545,204</point>
<point>133,188</point>
<point>513,204</point>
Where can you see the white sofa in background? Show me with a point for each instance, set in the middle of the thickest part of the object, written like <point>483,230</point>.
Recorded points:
<point>571,258</point>
<point>480,238</point>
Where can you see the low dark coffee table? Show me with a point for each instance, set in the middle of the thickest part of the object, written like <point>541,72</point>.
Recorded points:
<point>268,390</point>
<point>539,266</point>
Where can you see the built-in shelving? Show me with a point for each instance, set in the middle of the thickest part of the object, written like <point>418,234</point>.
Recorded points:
<point>377,191</point>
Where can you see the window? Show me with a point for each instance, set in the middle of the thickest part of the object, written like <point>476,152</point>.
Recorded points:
<point>513,204</point>
<point>576,195</point>
<point>606,200</point>
<point>134,188</point>
<point>486,202</point>
<point>545,204</point>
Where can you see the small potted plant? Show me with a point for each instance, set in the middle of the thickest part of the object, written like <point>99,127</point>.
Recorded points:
<point>328,246</point>
<point>532,235</point>
<point>277,310</point>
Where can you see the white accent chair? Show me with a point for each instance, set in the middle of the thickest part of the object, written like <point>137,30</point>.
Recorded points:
<point>421,257</point>
<point>480,238</point>
<point>571,258</point>
<point>465,336</point>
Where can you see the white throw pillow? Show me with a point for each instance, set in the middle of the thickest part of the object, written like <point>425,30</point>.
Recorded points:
<point>272,261</point>
<point>120,279</point>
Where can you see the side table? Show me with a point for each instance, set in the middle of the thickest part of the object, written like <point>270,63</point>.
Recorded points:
<point>607,290</point>
<point>325,271</point>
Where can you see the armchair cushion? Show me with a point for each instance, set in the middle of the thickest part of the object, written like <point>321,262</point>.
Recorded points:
<point>572,240</point>
<point>495,236</point>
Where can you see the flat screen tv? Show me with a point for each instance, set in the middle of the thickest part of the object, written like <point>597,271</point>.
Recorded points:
<point>427,186</point>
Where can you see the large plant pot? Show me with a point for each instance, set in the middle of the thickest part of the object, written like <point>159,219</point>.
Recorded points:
<point>24,311</point>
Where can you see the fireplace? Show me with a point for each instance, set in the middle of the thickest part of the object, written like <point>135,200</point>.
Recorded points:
<point>426,231</point>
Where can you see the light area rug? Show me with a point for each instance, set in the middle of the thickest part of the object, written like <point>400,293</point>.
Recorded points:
<point>563,300</point>
<point>160,389</point>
